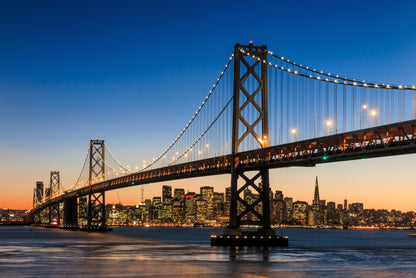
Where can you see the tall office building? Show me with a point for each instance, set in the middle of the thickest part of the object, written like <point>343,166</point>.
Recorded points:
<point>316,195</point>
<point>218,201</point>
<point>289,210</point>
<point>177,211</point>
<point>83,210</point>
<point>201,210</point>
<point>167,194</point>
<point>227,200</point>
<point>315,218</point>
<point>190,198</point>
<point>39,191</point>
<point>300,213</point>
<point>207,194</point>
<point>178,194</point>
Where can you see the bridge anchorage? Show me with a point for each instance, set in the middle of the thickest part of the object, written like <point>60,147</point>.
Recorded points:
<point>242,129</point>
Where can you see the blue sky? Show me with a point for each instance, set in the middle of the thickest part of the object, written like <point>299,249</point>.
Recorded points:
<point>134,72</point>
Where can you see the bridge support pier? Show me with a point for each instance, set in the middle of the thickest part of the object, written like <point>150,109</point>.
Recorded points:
<point>96,209</point>
<point>54,214</point>
<point>70,213</point>
<point>29,219</point>
<point>258,209</point>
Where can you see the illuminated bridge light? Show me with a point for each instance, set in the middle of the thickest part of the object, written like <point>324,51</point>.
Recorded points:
<point>310,130</point>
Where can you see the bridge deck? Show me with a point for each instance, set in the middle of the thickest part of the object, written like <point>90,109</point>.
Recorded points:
<point>387,140</point>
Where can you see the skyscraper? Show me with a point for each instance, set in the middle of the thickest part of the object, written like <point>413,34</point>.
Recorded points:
<point>227,200</point>
<point>207,194</point>
<point>190,199</point>
<point>316,217</point>
<point>167,194</point>
<point>316,195</point>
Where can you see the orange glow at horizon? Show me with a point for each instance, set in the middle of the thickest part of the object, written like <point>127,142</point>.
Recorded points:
<point>369,181</point>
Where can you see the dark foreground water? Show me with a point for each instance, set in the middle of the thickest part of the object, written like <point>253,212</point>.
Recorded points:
<point>185,252</point>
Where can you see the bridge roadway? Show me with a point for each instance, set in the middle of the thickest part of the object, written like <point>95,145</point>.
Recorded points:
<point>380,141</point>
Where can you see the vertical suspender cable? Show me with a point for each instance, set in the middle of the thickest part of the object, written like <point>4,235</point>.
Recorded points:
<point>275,107</point>
<point>353,108</point>
<point>344,105</point>
<point>288,127</point>
<point>281,108</point>
<point>335,108</point>
<point>319,119</point>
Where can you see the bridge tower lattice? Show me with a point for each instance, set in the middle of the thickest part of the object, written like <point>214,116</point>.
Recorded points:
<point>243,129</point>
<point>96,200</point>
<point>54,186</point>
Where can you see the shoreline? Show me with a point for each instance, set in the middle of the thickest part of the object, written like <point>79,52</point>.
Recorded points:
<point>337,227</point>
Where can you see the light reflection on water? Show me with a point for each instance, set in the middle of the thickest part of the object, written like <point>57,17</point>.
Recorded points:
<point>170,252</point>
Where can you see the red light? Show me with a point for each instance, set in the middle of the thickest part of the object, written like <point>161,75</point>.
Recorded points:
<point>251,42</point>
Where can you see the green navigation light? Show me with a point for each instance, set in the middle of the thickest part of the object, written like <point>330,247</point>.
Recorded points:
<point>325,157</point>
<point>132,182</point>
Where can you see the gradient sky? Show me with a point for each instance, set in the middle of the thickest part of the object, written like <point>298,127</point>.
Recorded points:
<point>134,72</point>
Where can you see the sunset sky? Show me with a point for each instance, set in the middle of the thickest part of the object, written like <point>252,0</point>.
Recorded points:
<point>134,72</point>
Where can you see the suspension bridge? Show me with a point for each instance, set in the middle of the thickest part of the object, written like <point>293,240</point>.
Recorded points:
<point>264,111</point>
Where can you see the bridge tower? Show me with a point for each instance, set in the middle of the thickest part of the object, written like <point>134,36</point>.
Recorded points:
<point>243,129</point>
<point>54,186</point>
<point>96,200</point>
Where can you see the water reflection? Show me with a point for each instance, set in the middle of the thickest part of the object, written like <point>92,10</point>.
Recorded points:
<point>244,253</point>
<point>186,252</point>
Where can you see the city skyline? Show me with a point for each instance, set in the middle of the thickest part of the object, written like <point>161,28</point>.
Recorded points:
<point>208,207</point>
<point>314,192</point>
<point>52,71</point>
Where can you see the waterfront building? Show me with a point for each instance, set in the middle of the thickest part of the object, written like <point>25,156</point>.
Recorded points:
<point>201,210</point>
<point>177,211</point>
<point>227,200</point>
<point>207,194</point>
<point>190,199</point>
<point>288,210</point>
<point>218,202</point>
<point>300,213</point>
<point>83,210</point>
<point>330,214</point>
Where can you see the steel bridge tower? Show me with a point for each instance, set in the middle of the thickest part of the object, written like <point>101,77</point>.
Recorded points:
<point>54,186</point>
<point>243,129</point>
<point>96,200</point>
